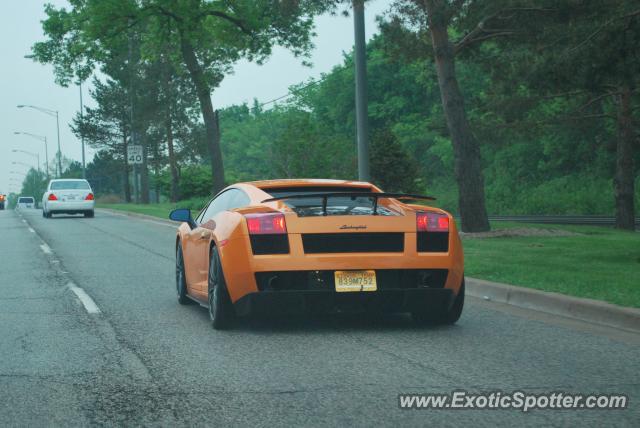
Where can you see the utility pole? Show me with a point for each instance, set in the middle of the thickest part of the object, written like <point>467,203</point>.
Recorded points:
<point>59,151</point>
<point>84,166</point>
<point>131,119</point>
<point>362,110</point>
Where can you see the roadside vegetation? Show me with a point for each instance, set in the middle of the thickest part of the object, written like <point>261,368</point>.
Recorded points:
<point>597,262</point>
<point>537,122</point>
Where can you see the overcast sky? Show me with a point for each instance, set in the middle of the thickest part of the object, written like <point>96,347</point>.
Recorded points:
<point>23,81</point>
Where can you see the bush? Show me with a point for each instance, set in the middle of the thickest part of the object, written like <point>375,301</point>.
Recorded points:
<point>109,199</point>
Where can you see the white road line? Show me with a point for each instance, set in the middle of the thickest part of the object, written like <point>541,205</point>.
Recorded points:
<point>84,298</point>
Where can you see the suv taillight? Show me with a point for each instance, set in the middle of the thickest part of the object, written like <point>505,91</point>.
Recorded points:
<point>52,197</point>
<point>432,222</point>
<point>266,224</point>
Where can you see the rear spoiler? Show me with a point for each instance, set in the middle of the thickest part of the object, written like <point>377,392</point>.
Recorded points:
<point>375,196</point>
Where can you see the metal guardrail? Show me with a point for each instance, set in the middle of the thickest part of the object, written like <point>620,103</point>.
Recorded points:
<point>595,220</point>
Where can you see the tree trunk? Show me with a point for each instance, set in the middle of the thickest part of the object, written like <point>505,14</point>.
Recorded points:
<point>208,114</point>
<point>144,173</point>
<point>125,171</point>
<point>467,162</point>
<point>173,167</point>
<point>156,172</point>
<point>175,189</point>
<point>624,180</point>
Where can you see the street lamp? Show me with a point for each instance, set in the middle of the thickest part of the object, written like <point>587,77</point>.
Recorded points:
<point>22,163</point>
<point>46,148</point>
<point>35,155</point>
<point>50,113</point>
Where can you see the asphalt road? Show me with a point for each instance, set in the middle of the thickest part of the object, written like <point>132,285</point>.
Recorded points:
<point>145,360</point>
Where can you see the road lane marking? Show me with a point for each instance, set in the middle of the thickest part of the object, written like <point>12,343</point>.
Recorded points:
<point>84,298</point>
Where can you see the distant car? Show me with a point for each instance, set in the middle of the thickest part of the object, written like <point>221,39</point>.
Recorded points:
<point>319,245</point>
<point>26,202</point>
<point>68,196</point>
<point>3,200</point>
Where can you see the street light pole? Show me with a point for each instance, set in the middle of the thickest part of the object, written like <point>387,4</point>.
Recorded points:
<point>59,151</point>
<point>56,115</point>
<point>36,155</point>
<point>46,148</point>
<point>362,113</point>
<point>84,166</point>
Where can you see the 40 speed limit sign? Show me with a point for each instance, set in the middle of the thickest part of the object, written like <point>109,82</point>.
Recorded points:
<point>134,155</point>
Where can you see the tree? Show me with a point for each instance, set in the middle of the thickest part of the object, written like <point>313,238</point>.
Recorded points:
<point>391,167</point>
<point>589,49</point>
<point>107,127</point>
<point>600,60</point>
<point>437,17</point>
<point>202,37</point>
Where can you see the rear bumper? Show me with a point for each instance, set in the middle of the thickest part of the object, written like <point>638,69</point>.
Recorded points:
<point>300,302</point>
<point>70,207</point>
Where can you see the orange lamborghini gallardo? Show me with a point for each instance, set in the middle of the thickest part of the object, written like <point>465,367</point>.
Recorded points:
<point>284,246</point>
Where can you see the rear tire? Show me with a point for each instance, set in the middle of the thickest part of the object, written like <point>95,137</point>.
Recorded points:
<point>181,281</point>
<point>89,214</point>
<point>449,317</point>
<point>221,311</point>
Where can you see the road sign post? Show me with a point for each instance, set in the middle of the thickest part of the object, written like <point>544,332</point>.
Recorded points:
<point>135,157</point>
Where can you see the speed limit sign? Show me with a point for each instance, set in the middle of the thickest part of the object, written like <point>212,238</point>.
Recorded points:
<point>134,154</point>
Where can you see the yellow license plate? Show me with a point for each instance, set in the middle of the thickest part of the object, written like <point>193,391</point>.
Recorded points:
<point>355,280</point>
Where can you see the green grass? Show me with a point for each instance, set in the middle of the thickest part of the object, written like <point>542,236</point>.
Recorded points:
<point>161,210</point>
<point>600,263</point>
<point>156,210</point>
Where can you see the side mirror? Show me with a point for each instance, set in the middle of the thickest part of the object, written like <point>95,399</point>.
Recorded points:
<point>183,215</point>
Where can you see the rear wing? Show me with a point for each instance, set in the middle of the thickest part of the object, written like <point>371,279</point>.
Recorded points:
<point>325,197</point>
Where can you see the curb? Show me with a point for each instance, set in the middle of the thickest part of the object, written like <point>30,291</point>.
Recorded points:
<point>138,215</point>
<point>589,310</point>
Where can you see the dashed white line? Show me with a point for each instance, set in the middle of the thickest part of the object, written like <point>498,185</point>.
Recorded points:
<point>84,298</point>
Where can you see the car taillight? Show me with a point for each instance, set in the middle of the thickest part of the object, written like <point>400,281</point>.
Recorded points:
<point>432,222</point>
<point>266,224</point>
<point>52,197</point>
<point>89,197</point>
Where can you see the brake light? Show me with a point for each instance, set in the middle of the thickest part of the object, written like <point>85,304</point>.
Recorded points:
<point>52,197</point>
<point>89,197</point>
<point>266,223</point>
<point>432,222</point>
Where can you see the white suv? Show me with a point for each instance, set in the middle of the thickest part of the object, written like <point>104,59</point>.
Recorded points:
<point>68,196</point>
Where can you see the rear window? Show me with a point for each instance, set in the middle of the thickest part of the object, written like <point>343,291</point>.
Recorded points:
<point>70,185</point>
<point>25,200</point>
<point>337,205</point>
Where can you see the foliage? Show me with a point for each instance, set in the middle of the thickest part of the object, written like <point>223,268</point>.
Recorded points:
<point>541,83</point>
